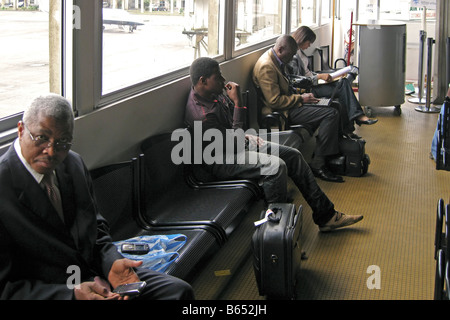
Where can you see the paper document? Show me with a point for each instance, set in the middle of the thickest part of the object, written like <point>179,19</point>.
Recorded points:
<point>340,72</point>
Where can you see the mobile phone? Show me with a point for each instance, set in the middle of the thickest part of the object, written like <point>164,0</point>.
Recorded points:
<point>130,289</point>
<point>135,248</point>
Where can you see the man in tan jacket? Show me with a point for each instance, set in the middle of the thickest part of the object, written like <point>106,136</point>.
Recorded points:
<point>270,76</point>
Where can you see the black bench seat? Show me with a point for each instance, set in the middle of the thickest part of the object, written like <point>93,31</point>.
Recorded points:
<point>171,196</point>
<point>116,191</point>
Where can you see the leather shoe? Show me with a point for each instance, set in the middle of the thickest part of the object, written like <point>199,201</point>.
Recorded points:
<point>324,174</point>
<point>352,135</point>
<point>367,122</point>
<point>340,220</point>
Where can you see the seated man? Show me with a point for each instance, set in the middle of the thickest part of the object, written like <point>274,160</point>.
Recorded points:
<point>209,107</point>
<point>304,37</point>
<point>49,221</point>
<point>269,74</point>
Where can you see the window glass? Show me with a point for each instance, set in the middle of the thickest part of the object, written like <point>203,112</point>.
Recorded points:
<point>257,21</point>
<point>394,10</point>
<point>303,12</point>
<point>326,11</point>
<point>367,10</point>
<point>407,10</point>
<point>30,60</point>
<point>144,43</point>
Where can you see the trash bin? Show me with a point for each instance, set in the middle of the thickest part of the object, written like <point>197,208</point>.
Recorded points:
<point>382,64</point>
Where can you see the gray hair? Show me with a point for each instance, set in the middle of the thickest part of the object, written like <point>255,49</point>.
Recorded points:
<point>50,105</point>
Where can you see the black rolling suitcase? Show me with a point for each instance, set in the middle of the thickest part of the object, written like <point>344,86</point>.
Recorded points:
<point>353,160</point>
<point>277,251</point>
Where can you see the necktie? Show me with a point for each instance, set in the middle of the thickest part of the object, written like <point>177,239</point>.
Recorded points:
<point>53,193</point>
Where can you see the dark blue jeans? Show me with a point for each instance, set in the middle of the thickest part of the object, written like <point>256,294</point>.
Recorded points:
<point>274,164</point>
<point>161,286</point>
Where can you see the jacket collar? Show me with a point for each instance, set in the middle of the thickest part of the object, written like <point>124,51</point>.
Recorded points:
<point>274,54</point>
<point>208,103</point>
<point>33,197</point>
<point>277,62</point>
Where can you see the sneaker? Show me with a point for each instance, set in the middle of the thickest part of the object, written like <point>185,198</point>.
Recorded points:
<point>339,220</point>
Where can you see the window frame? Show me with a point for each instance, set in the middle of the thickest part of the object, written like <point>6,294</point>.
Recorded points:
<point>81,59</point>
<point>285,28</point>
<point>85,104</point>
<point>101,101</point>
<point>8,128</point>
<point>8,124</point>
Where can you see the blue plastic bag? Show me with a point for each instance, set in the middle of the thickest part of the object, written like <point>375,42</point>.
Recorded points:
<point>163,250</point>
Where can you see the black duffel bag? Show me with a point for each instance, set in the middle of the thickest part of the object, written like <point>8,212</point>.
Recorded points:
<point>300,83</point>
<point>353,160</point>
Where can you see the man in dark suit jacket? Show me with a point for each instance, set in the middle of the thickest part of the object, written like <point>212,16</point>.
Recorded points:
<point>67,255</point>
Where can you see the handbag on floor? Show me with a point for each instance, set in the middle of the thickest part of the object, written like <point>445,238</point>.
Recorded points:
<point>353,160</point>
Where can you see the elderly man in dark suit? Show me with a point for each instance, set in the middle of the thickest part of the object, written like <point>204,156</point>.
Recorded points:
<point>45,232</point>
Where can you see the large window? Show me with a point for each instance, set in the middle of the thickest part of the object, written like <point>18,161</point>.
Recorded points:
<point>368,10</point>
<point>257,20</point>
<point>30,59</point>
<point>121,47</point>
<point>407,10</point>
<point>303,12</point>
<point>144,43</point>
<point>402,10</point>
<point>326,11</point>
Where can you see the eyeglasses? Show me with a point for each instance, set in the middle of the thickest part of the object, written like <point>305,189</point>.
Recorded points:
<point>43,141</point>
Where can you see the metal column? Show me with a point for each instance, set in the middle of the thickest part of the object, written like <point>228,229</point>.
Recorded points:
<point>419,99</point>
<point>427,108</point>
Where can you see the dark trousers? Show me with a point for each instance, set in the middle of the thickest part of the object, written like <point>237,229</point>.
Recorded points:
<point>345,96</point>
<point>275,163</point>
<point>161,286</point>
<point>326,119</point>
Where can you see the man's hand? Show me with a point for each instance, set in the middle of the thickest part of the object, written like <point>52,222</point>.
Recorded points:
<point>309,98</point>
<point>255,141</point>
<point>234,92</point>
<point>122,272</point>
<point>325,77</point>
<point>98,289</point>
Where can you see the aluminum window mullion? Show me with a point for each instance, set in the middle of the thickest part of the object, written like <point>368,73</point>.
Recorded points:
<point>287,16</point>
<point>230,23</point>
<point>87,57</point>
